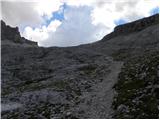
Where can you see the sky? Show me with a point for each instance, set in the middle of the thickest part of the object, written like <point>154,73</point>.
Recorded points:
<point>72,22</point>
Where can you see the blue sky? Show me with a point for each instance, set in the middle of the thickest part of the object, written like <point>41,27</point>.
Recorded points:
<point>155,11</point>
<point>120,22</point>
<point>60,15</point>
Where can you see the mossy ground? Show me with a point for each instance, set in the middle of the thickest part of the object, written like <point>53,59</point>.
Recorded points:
<point>138,88</point>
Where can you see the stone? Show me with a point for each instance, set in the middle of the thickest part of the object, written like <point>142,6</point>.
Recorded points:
<point>54,82</point>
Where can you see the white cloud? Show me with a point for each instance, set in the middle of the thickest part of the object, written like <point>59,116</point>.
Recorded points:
<point>42,33</point>
<point>20,13</point>
<point>141,9</point>
<point>24,13</point>
<point>106,12</point>
<point>35,34</point>
<point>76,29</point>
<point>78,3</point>
<point>85,20</point>
<point>53,26</point>
<point>47,7</point>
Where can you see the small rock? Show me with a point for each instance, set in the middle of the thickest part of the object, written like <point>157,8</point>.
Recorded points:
<point>68,113</point>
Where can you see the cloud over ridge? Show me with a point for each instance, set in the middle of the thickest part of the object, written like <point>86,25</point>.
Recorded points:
<point>84,21</point>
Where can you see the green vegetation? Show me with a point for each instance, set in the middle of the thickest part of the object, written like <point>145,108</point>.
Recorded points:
<point>93,71</point>
<point>17,39</point>
<point>59,85</point>
<point>122,54</point>
<point>138,88</point>
<point>89,70</point>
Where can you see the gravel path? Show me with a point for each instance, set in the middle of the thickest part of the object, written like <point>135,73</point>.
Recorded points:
<point>98,103</point>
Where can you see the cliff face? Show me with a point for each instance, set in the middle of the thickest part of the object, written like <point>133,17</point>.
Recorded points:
<point>133,26</point>
<point>11,35</point>
<point>77,82</point>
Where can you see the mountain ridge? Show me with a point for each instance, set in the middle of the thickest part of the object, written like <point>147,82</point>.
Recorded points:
<point>123,29</point>
<point>11,34</point>
<point>134,26</point>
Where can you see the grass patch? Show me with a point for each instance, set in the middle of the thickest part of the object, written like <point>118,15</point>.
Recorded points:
<point>89,70</point>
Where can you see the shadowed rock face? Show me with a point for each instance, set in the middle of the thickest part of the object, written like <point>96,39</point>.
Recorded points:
<point>7,32</point>
<point>11,35</point>
<point>72,82</point>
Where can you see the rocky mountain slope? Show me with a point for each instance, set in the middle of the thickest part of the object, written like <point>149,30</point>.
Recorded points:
<point>86,81</point>
<point>12,36</point>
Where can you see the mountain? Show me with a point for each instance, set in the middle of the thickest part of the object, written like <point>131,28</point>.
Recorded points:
<point>116,77</point>
<point>12,36</point>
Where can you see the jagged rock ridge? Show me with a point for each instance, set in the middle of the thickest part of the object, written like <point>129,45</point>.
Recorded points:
<point>9,34</point>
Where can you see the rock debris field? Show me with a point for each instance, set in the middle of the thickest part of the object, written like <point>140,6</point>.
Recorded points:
<point>85,81</point>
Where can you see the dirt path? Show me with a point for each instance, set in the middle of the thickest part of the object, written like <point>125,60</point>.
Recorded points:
<point>98,103</point>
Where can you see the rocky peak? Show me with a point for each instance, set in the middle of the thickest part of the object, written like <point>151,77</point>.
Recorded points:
<point>7,32</point>
<point>12,35</point>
